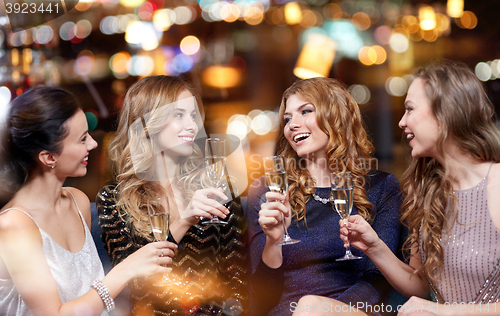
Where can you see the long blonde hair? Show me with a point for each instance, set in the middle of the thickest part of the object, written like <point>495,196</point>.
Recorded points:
<point>134,157</point>
<point>465,116</point>
<point>348,148</point>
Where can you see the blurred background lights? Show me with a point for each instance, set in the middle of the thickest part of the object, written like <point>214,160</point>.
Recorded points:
<point>361,21</point>
<point>131,3</point>
<point>468,20</point>
<point>83,65</point>
<point>221,76</point>
<point>182,63</point>
<point>483,71</point>
<point>66,31</point>
<point>383,34</point>
<point>396,86</point>
<point>118,62</point>
<point>273,116</point>
<point>140,65</point>
<point>455,8</point>
<point>360,93</point>
<point>83,29</point>
<point>399,43</point>
<point>495,69</point>
<point>316,57</point>
<point>18,38</point>
<point>142,34</point>
<point>183,15</point>
<point>261,124</point>
<point>83,5</point>
<point>43,34</point>
<point>109,25</point>
<point>239,125</point>
<point>162,19</point>
<point>190,45</point>
<point>145,11</point>
<point>293,13</point>
<point>427,17</point>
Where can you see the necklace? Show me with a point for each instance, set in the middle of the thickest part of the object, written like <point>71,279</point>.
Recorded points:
<point>320,199</point>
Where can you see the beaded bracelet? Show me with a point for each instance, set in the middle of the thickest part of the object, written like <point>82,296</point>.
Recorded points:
<point>103,292</point>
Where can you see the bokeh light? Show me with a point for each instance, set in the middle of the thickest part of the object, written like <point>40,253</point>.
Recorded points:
<point>239,125</point>
<point>43,34</point>
<point>140,65</point>
<point>190,45</point>
<point>399,42</point>
<point>396,86</point>
<point>162,19</point>
<point>483,71</point>
<point>360,93</point>
<point>66,31</point>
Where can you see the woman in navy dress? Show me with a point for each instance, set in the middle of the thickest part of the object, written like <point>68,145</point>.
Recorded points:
<point>322,132</point>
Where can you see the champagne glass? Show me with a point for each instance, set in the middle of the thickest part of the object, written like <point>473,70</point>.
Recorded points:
<point>276,179</point>
<point>215,162</point>
<point>342,199</point>
<point>159,217</point>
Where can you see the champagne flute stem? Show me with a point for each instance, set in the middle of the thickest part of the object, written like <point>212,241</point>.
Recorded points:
<point>285,230</point>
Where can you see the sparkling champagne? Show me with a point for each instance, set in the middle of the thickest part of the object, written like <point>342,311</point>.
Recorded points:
<point>160,224</point>
<point>215,168</point>
<point>342,199</point>
<point>276,181</point>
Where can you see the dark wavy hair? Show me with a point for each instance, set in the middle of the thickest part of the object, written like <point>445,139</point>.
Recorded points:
<point>36,122</point>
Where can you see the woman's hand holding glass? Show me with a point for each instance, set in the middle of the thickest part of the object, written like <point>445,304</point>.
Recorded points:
<point>203,204</point>
<point>271,216</point>
<point>151,259</point>
<point>359,234</point>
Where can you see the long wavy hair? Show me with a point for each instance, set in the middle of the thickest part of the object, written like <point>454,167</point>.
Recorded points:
<point>147,108</point>
<point>348,148</point>
<point>467,118</point>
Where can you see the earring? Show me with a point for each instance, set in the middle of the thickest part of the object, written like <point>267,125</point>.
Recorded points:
<point>53,166</point>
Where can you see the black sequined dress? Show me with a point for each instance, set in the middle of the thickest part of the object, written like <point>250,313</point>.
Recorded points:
<point>209,274</point>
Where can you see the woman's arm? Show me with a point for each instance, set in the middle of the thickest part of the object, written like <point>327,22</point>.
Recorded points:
<point>266,283</point>
<point>383,191</point>
<point>22,253</point>
<point>399,274</point>
<point>380,241</point>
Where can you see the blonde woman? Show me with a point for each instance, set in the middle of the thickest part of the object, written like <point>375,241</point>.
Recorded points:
<point>452,204</point>
<point>155,152</point>
<point>48,261</point>
<point>320,132</point>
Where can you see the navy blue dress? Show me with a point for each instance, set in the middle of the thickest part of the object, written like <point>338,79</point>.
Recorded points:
<point>309,267</point>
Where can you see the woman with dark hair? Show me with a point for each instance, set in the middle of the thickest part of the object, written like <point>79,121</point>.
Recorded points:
<point>48,261</point>
<point>155,152</point>
<point>321,132</point>
<point>452,205</point>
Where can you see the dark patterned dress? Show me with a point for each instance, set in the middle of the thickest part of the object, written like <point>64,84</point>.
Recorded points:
<point>209,274</point>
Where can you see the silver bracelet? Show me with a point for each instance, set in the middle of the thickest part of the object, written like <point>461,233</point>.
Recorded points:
<point>103,292</point>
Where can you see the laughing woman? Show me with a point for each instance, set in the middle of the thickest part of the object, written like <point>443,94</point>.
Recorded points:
<point>155,153</point>
<point>452,206</point>
<point>48,261</point>
<point>321,132</point>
